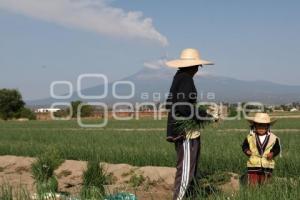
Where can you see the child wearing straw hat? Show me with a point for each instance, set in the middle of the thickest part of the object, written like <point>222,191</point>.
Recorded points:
<point>261,146</point>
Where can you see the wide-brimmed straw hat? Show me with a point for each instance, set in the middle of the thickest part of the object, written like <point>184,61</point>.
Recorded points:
<point>262,118</point>
<point>189,57</point>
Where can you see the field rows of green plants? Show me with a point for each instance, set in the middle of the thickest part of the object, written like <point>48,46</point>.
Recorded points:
<point>221,147</point>
<point>285,123</point>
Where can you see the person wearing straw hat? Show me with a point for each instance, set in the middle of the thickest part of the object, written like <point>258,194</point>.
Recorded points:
<point>261,146</point>
<point>181,101</point>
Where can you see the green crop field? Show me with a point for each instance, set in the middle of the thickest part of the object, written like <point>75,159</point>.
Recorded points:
<point>297,113</point>
<point>142,142</point>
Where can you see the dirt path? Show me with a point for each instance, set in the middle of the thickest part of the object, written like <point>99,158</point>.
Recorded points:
<point>157,181</point>
<point>15,170</point>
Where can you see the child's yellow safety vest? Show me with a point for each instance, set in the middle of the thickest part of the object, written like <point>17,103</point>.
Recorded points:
<point>257,160</point>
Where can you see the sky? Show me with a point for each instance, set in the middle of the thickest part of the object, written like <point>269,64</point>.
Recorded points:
<point>42,41</point>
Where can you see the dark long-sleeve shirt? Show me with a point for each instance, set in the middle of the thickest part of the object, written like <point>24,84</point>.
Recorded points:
<point>182,91</point>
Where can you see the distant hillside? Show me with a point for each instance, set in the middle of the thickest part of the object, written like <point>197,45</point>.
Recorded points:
<point>155,81</point>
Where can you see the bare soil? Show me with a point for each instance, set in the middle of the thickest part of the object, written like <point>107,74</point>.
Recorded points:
<point>156,182</point>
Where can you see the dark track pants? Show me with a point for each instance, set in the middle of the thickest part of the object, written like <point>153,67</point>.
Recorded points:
<point>187,158</point>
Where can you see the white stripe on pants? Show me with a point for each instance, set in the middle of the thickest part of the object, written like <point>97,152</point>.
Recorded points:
<point>186,169</point>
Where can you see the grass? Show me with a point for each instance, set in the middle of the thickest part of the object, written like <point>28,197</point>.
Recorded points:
<point>6,192</point>
<point>94,180</point>
<point>242,124</point>
<point>220,148</point>
<point>136,180</point>
<point>9,192</point>
<point>278,189</point>
<point>285,189</point>
<point>221,151</point>
<point>286,113</point>
<point>43,171</point>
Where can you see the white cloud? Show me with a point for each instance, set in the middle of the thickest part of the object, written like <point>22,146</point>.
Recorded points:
<point>155,64</point>
<point>91,15</point>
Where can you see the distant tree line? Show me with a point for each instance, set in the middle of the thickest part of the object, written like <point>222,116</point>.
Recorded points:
<point>234,111</point>
<point>85,111</point>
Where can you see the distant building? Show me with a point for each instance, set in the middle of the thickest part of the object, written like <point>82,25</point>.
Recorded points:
<point>46,110</point>
<point>220,111</point>
<point>294,110</point>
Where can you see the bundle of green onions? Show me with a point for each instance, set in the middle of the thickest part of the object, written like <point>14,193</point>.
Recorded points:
<point>194,124</point>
